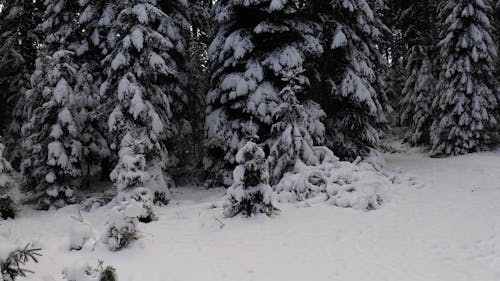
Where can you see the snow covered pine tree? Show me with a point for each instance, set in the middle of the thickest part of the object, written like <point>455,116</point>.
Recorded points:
<point>91,47</point>
<point>420,86</point>
<point>466,105</point>
<point>5,170</point>
<point>7,206</point>
<point>18,43</point>
<point>354,98</point>
<point>250,193</point>
<point>51,161</point>
<point>51,157</point>
<point>257,43</point>
<point>294,144</point>
<point>146,82</point>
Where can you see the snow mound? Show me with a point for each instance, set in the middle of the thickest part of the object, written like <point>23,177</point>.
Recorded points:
<point>6,247</point>
<point>358,185</point>
<point>82,235</point>
<point>80,273</point>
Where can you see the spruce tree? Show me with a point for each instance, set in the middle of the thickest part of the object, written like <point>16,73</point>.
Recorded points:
<point>497,17</point>
<point>197,68</point>
<point>294,143</point>
<point>51,158</point>
<point>250,193</point>
<point>419,89</point>
<point>256,45</point>
<point>91,47</point>
<point>18,51</point>
<point>52,151</point>
<point>146,85</point>
<point>467,100</point>
<point>352,80</point>
<point>5,171</point>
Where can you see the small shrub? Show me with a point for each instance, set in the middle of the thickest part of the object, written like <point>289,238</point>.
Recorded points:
<point>108,274</point>
<point>8,209</point>
<point>12,267</point>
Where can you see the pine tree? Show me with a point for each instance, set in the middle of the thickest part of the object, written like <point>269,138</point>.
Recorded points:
<point>18,47</point>
<point>91,121</point>
<point>52,151</point>
<point>497,17</point>
<point>250,193</point>
<point>256,44</point>
<point>352,79</point>
<point>197,68</point>
<point>5,171</point>
<point>419,89</point>
<point>291,129</point>
<point>51,158</point>
<point>146,85</point>
<point>466,103</point>
<point>92,46</point>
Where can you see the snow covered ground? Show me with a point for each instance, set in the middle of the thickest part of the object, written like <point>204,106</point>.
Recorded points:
<point>441,224</point>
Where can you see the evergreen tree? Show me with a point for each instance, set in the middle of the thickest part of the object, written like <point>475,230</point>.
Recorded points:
<point>250,193</point>
<point>94,43</point>
<point>256,45</point>
<point>497,17</point>
<point>146,85</point>
<point>91,121</point>
<point>291,128</point>
<point>52,151</point>
<point>5,171</point>
<point>393,49</point>
<point>352,79</point>
<point>18,51</point>
<point>197,67</point>
<point>467,97</point>
<point>419,89</point>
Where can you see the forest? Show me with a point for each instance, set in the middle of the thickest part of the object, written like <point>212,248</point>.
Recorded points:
<point>120,104</point>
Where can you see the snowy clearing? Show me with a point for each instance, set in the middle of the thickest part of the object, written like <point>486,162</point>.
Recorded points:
<point>441,224</point>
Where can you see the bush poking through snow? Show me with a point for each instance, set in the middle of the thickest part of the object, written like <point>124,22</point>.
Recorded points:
<point>11,265</point>
<point>350,185</point>
<point>250,194</point>
<point>90,273</point>
<point>108,274</point>
<point>143,196</point>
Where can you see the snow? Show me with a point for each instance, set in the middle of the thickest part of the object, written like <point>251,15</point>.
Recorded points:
<point>438,222</point>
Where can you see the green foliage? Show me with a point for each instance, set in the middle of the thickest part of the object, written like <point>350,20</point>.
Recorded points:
<point>7,207</point>
<point>108,274</point>
<point>12,268</point>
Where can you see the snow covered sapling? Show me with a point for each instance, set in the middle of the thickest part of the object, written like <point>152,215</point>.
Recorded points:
<point>130,177</point>
<point>250,194</point>
<point>121,228</point>
<point>108,274</point>
<point>294,143</point>
<point>11,264</point>
<point>135,201</point>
